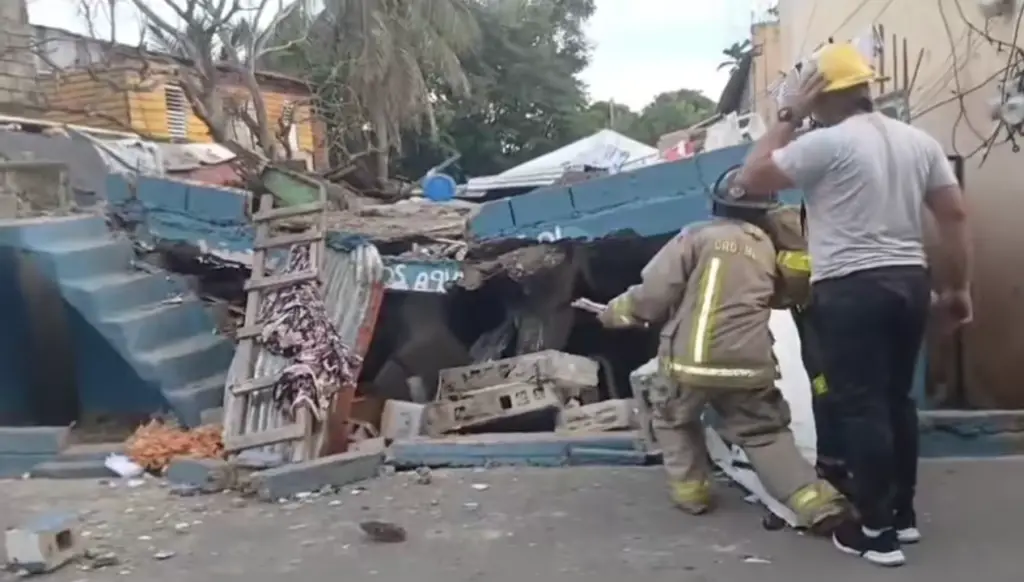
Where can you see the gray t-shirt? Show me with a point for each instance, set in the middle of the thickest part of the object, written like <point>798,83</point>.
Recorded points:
<point>864,196</point>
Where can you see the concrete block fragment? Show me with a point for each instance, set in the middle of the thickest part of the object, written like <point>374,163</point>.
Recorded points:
<point>615,414</point>
<point>401,420</point>
<point>507,449</point>
<point>33,439</point>
<point>333,470</point>
<point>570,374</point>
<point>592,456</point>
<point>258,459</point>
<point>484,407</point>
<point>43,544</point>
<point>208,475</point>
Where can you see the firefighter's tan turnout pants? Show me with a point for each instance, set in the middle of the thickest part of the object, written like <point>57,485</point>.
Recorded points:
<point>755,419</point>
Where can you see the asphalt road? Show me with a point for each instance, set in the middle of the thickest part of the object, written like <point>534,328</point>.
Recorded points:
<point>556,525</point>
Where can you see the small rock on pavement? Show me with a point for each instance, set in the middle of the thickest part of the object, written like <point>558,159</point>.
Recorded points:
<point>424,476</point>
<point>383,532</point>
<point>95,560</point>
<point>163,555</point>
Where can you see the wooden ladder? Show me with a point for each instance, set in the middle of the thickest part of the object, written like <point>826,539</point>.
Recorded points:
<point>238,394</point>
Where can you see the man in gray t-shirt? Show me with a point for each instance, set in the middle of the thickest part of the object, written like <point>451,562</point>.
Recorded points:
<point>866,180</point>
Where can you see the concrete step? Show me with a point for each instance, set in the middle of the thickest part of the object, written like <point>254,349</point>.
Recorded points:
<point>63,469</point>
<point>80,258</point>
<point>108,293</point>
<point>189,402</point>
<point>151,326</point>
<point>91,451</point>
<point>186,361</point>
<point>45,229</point>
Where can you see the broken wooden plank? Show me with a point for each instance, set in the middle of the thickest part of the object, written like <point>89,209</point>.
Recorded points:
<point>291,432</point>
<point>287,240</point>
<point>288,212</point>
<point>260,283</point>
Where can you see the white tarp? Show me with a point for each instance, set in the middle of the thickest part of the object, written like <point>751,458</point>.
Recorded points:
<point>605,149</point>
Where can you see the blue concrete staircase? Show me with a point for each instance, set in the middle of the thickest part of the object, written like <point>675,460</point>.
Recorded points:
<point>142,342</point>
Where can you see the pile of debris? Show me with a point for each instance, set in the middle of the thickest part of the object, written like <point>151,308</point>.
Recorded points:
<point>542,391</point>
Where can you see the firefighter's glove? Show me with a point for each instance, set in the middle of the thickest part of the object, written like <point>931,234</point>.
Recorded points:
<point>618,314</point>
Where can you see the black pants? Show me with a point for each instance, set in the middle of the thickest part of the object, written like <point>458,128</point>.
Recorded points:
<point>829,438</point>
<point>870,326</point>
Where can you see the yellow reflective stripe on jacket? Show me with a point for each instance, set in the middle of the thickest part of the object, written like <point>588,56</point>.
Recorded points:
<point>711,371</point>
<point>819,385</point>
<point>794,260</point>
<point>703,324</point>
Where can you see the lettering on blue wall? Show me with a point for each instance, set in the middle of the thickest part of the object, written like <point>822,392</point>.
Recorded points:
<point>425,278</point>
<point>559,232</point>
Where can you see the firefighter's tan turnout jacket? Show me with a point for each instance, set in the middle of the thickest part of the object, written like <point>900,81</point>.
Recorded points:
<point>710,288</point>
<point>793,279</point>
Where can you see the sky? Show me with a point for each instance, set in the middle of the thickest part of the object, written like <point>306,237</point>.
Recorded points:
<point>640,48</point>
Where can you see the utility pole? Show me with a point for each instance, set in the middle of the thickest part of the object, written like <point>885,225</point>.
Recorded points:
<point>611,114</point>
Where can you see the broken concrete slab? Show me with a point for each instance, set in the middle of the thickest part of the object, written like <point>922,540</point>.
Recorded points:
<point>32,440</point>
<point>206,475</point>
<point>572,375</point>
<point>333,470</point>
<point>508,449</point>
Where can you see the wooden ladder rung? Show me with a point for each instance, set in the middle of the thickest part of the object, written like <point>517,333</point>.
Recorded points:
<point>273,436</point>
<point>287,240</point>
<point>280,280</point>
<point>287,212</point>
<point>255,385</point>
<point>248,332</point>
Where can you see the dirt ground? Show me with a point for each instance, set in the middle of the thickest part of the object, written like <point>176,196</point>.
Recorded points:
<point>599,525</point>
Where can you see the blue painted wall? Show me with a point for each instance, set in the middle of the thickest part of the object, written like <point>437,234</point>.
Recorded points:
<point>15,407</point>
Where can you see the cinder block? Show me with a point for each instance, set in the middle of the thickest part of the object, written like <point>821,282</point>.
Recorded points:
<point>208,475</point>
<point>570,374</point>
<point>488,405</point>
<point>33,439</point>
<point>44,544</point>
<point>615,414</point>
<point>334,470</point>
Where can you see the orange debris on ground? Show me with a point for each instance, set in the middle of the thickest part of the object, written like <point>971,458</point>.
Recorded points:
<point>154,445</point>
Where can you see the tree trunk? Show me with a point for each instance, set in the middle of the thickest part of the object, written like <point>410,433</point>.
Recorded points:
<point>380,136</point>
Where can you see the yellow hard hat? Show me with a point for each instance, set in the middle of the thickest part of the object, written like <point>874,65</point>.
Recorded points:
<point>843,66</point>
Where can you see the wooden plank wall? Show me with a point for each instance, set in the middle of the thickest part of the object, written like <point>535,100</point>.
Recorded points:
<point>149,114</point>
<point>71,96</point>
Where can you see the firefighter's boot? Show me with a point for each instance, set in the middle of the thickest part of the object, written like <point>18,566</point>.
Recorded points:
<point>819,507</point>
<point>693,497</point>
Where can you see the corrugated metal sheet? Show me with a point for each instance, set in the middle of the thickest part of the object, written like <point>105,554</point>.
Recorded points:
<point>353,289</point>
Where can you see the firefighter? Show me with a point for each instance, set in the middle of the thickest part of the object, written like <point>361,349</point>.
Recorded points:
<point>786,227</point>
<point>709,289</point>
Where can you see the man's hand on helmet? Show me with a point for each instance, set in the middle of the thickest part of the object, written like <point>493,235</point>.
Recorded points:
<point>802,90</point>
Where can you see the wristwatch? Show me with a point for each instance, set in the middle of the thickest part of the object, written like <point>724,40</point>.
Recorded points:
<point>785,115</point>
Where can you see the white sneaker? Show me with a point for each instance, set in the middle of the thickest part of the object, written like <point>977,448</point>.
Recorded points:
<point>908,535</point>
